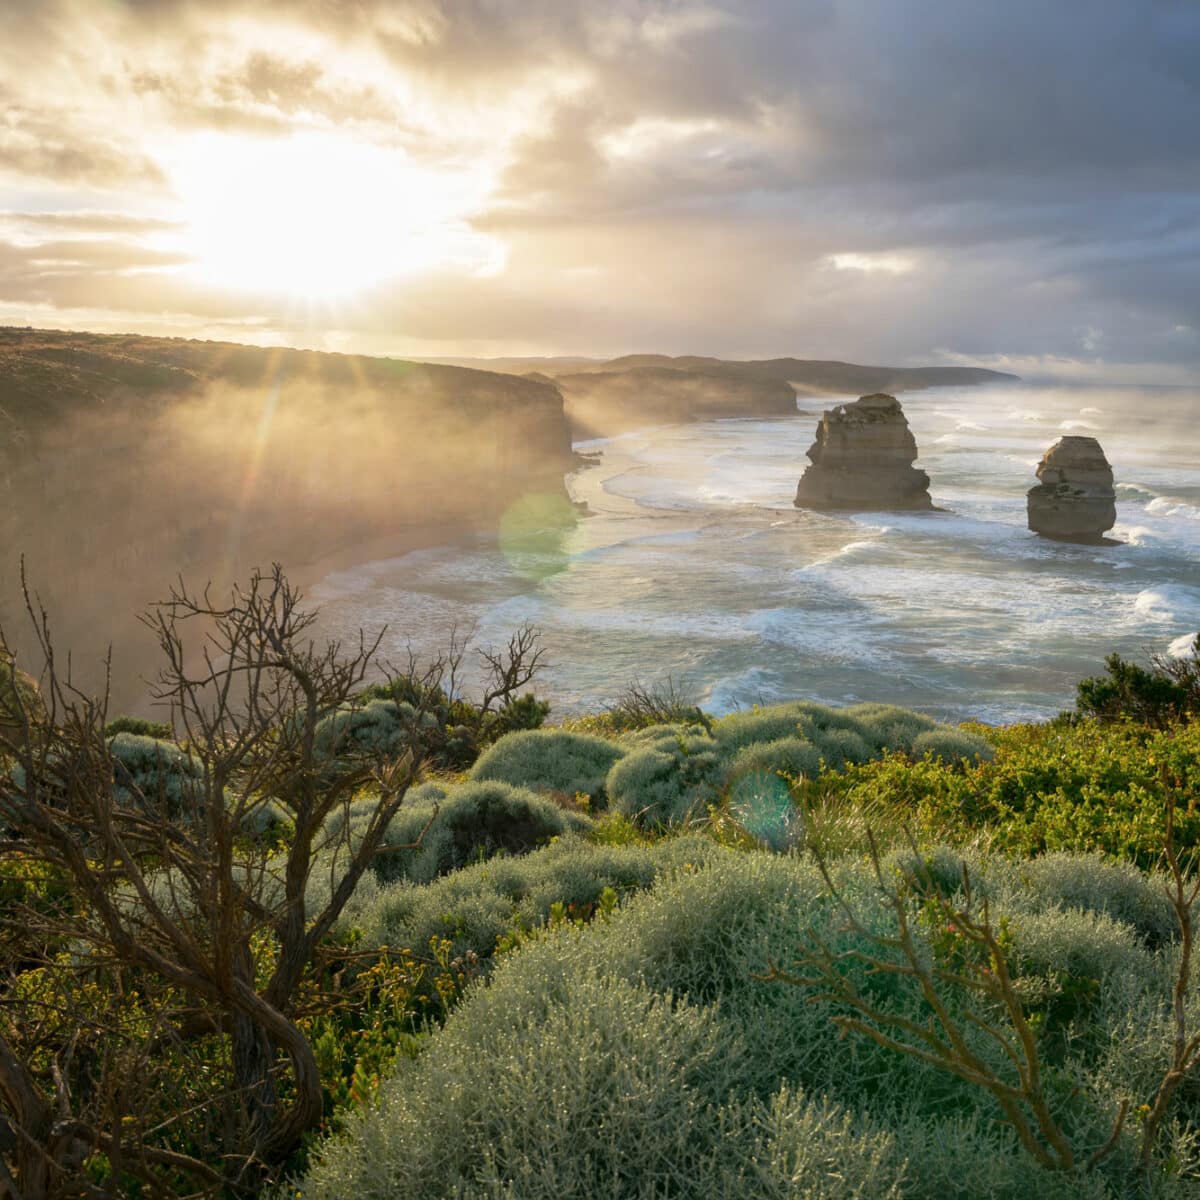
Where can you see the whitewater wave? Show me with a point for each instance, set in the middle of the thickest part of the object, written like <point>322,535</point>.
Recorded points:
<point>1182,646</point>
<point>1169,603</point>
<point>1134,535</point>
<point>831,635</point>
<point>1168,506</point>
<point>755,685</point>
<point>1134,491</point>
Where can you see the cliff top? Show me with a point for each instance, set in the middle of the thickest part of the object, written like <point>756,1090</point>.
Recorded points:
<point>46,375</point>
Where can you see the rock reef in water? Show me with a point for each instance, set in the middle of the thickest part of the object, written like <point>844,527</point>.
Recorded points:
<point>863,460</point>
<point>1075,501</point>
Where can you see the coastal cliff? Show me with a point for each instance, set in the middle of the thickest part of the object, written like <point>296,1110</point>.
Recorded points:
<point>127,461</point>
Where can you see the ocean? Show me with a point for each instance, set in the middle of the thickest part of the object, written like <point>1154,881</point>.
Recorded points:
<point>695,566</point>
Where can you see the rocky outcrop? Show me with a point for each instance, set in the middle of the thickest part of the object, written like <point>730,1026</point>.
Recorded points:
<point>1075,501</point>
<point>863,460</point>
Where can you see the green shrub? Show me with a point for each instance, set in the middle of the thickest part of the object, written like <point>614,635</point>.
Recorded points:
<point>550,760</point>
<point>472,822</point>
<point>1166,693</point>
<point>20,699</point>
<point>839,746</point>
<point>379,728</point>
<point>951,745</point>
<point>887,727</point>
<point>1083,787</point>
<point>645,1055</point>
<point>641,705</point>
<point>758,725</point>
<point>522,712</point>
<point>139,726</point>
<point>474,906</point>
<point>666,783</point>
<point>164,774</point>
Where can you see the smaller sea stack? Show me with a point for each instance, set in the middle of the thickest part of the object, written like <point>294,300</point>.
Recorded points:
<point>863,460</point>
<point>1075,501</point>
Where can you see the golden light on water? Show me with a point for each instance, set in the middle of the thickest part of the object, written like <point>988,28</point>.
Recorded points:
<point>532,533</point>
<point>319,217</point>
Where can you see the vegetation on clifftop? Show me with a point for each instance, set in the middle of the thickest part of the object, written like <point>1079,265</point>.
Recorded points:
<point>386,940</point>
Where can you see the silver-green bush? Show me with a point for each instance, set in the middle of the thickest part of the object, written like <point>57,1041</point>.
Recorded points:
<point>951,745</point>
<point>664,784</point>
<point>1098,884</point>
<point>556,1083</point>
<point>471,823</point>
<point>379,728</point>
<point>473,906</point>
<point>550,760</point>
<point>645,1056</point>
<point>839,746</point>
<point>756,725</point>
<point>888,727</point>
<point>162,772</point>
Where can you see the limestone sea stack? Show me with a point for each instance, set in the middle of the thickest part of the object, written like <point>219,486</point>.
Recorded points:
<point>1075,501</point>
<point>863,460</point>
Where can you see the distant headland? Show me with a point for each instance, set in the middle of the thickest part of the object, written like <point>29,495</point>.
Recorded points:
<point>609,396</point>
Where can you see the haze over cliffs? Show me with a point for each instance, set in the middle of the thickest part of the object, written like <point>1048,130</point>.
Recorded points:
<point>605,397</point>
<point>125,461</point>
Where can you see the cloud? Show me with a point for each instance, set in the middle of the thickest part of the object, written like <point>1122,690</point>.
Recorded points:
<point>46,144</point>
<point>848,178</point>
<point>890,264</point>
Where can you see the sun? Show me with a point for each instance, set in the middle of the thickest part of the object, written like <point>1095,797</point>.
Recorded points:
<point>319,217</point>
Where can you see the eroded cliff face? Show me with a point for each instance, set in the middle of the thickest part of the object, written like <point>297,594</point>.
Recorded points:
<point>862,460</point>
<point>127,462</point>
<point>1075,500</point>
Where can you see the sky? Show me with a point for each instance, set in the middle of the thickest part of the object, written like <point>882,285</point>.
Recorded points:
<point>1010,183</point>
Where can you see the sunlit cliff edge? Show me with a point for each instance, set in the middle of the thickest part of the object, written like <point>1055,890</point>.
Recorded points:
<point>126,461</point>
